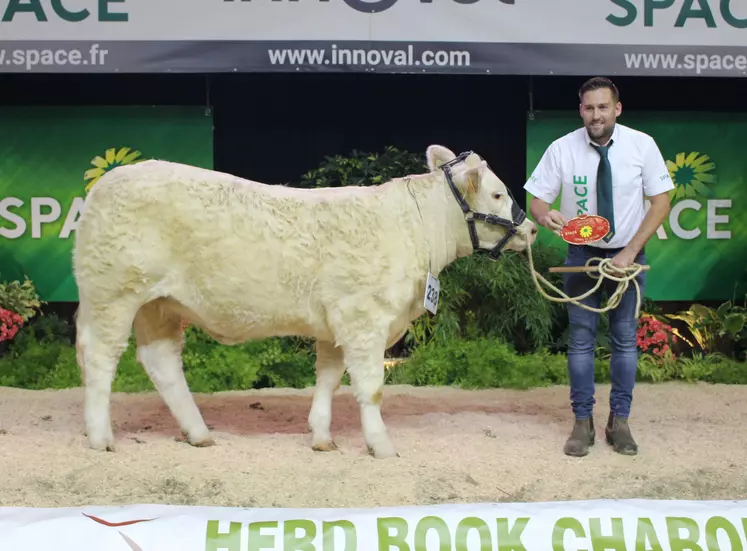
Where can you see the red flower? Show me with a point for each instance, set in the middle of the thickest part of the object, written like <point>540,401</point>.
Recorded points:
<point>654,336</point>
<point>10,323</point>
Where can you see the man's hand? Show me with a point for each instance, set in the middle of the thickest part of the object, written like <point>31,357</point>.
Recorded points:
<point>550,219</point>
<point>553,221</point>
<point>653,219</point>
<point>623,259</point>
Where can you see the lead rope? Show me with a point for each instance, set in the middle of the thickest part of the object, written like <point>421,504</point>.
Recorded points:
<point>605,270</point>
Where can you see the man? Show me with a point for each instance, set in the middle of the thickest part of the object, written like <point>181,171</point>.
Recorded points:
<point>603,168</point>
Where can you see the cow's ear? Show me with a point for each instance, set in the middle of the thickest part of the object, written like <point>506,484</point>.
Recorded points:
<point>438,155</point>
<point>467,178</point>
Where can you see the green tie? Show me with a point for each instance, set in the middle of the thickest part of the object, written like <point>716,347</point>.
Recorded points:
<point>604,189</point>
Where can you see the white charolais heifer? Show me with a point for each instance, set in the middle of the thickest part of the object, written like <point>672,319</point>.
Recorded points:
<point>159,241</point>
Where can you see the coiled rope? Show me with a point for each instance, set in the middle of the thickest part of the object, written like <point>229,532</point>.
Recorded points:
<point>604,269</point>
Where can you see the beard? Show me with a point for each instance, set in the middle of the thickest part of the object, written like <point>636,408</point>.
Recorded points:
<point>603,132</point>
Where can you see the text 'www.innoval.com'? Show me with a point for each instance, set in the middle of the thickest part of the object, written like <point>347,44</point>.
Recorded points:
<point>404,57</point>
<point>407,57</point>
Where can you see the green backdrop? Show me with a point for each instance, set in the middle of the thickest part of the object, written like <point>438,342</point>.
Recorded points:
<point>700,252</point>
<point>48,158</point>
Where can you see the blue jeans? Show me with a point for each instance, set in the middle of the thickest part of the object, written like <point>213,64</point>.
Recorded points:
<point>583,331</point>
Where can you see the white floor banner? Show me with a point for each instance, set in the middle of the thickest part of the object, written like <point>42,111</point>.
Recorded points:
<point>635,525</point>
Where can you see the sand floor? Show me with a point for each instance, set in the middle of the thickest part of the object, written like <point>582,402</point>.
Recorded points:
<point>455,446</point>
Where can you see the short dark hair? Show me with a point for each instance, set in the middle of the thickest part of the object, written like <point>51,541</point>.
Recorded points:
<point>596,83</point>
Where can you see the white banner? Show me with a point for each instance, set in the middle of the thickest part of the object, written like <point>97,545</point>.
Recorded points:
<point>571,37</point>
<point>562,526</point>
<point>619,22</point>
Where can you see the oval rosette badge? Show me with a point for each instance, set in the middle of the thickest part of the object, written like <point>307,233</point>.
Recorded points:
<point>585,229</point>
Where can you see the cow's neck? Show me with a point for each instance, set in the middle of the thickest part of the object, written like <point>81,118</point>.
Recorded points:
<point>444,229</point>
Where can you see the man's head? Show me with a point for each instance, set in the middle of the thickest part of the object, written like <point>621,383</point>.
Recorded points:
<point>600,106</point>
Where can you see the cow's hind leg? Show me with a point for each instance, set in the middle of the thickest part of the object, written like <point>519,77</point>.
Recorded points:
<point>159,350</point>
<point>364,361</point>
<point>329,371</point>
<point>102,337</point>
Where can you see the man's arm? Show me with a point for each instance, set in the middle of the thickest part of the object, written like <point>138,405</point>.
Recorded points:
<point>544,185</point>
<point>551,219</point>
<point>654,218</point>
<point>538,208</point>
<point>656,185</point>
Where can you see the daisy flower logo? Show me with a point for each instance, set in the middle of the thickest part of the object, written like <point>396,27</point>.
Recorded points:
<point>693,174</point>
<point>111,159</point>
<point>585,231</point>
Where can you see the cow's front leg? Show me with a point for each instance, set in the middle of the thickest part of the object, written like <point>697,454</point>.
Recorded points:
<point>364,361</point>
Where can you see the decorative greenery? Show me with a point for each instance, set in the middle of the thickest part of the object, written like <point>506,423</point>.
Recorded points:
<point>364,168</point>
<point>43,356</point>
<point>20,298</point>
<point>721,329</point>
<point>479,363</point>
<point>485,363</point>
<point>711,368</point>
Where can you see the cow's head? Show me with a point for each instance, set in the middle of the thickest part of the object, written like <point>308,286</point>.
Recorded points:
<point>497,222</point>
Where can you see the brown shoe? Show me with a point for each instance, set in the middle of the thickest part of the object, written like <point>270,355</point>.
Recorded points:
<point>619,437</point>
<point>581,438</point>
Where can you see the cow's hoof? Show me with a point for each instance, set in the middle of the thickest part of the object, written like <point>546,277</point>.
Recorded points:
<point>102,446</point>
<point>383,452</point>
<point>329,446</point>
<point>103,443</point>
<point>205,442</point>
<point>202,439</point>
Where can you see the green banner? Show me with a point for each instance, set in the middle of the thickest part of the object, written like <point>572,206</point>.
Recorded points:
<point>51,156</point>
<point>700,252</point>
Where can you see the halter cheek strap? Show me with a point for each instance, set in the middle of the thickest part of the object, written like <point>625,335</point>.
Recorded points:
<point>517,214</point>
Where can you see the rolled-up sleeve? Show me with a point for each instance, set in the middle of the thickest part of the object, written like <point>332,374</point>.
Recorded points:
<point>545,181</point>
<point>656,178</point>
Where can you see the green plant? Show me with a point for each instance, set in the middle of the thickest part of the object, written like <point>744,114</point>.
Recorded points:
<point>211,367</point>
<point>33,360</point>
<point>721,329</point>
<point>710,368</point>
<point>485,363</point>
<point>20,298</point>
<point>361,168</point>
<point>43,356</point>
<point>478,363</point>
<point>659,367</point>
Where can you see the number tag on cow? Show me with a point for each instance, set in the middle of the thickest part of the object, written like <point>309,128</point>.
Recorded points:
<point>432,291</point>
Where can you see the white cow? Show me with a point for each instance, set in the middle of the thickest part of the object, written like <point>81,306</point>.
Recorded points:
<point>160,241</point>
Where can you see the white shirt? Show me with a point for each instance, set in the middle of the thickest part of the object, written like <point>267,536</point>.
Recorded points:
<point>569,165</point>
